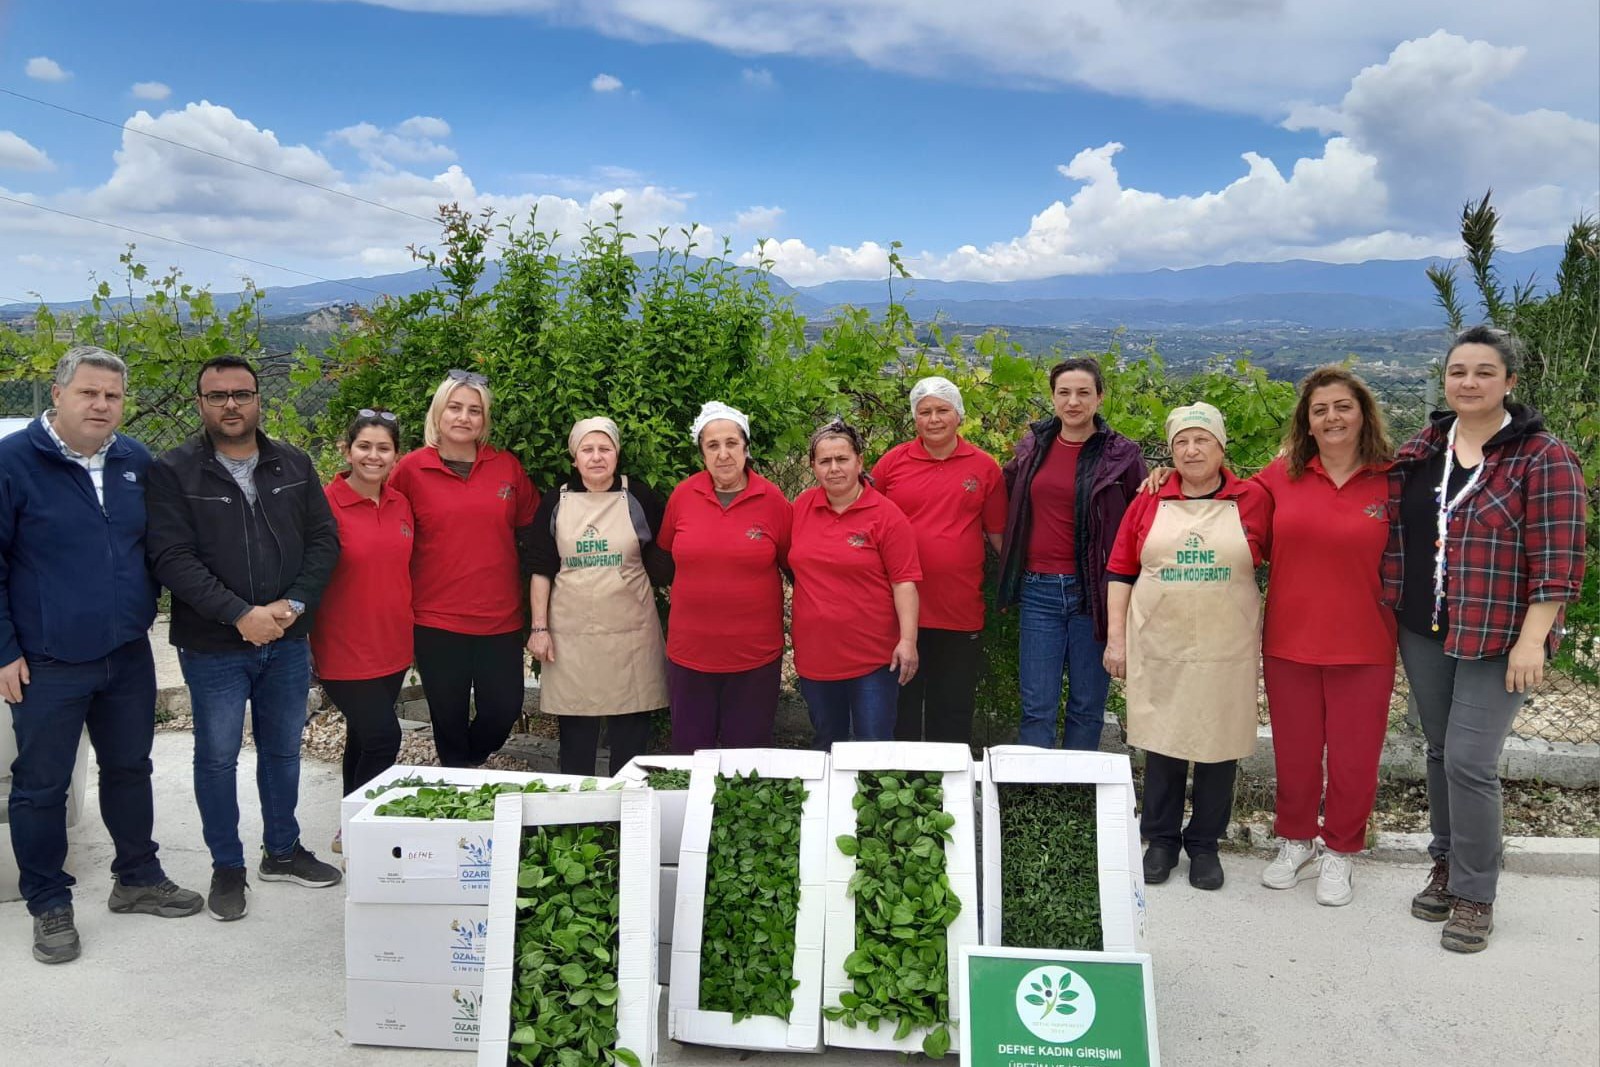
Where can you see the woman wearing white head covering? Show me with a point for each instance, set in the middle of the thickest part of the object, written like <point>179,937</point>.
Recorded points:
<point>955,498</point>
<point>594,557</point>
<point>727,528</point>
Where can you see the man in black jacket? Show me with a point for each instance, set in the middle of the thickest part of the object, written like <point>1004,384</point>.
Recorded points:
<point>241,533</point>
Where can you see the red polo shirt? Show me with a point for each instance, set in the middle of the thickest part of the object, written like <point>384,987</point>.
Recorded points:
<point>1255,515</point>
<point>951,503</point>
<point>727,591</point>
<point>843,621</point>
<point>464,572</point>
<point>363,625</point>
<point>1324,596</point>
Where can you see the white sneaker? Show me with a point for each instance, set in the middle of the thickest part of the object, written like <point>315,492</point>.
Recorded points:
<point>1333,883</point>
<point>1296,861</point>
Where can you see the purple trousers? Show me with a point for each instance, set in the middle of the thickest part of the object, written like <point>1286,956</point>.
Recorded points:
<point>733,710</point>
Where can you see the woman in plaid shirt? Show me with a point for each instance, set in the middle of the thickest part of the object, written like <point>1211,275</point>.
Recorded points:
<point>1485,549</point>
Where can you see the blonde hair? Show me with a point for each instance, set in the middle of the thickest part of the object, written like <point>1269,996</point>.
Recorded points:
<point>441,397</point>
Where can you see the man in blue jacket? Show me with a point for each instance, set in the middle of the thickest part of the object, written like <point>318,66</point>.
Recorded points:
<point>76,603</point>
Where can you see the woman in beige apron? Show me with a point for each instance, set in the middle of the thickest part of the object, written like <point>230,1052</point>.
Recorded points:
<point>1185,633</point>
<point>595,626</point>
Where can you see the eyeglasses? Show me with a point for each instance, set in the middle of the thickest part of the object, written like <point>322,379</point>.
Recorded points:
<point>374,413</point>
<point>240,397</point>
<point>470,377</point>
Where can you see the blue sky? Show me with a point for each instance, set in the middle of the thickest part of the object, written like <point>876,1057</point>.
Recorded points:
<point>1002,140</point>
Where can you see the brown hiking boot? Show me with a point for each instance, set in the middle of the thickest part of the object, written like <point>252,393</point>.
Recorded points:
<point>1433,903</point>
<point>1471,923</point>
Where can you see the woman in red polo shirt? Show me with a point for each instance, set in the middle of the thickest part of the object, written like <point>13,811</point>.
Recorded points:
<point>854,616</point>
<point>362,640</point>
<point>470,500</point>
<point>955,498</point>
<point>727,528</point>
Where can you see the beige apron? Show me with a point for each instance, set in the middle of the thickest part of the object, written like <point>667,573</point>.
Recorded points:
<point>610,657</point>
<point>1194,636</point>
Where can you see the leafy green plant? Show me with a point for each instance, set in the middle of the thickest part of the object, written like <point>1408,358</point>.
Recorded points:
<point>410,781</point>
<point>1049,866</point>
<point>667,778</point>
<point>904,905</point>
<point>752,897</point>
<point>455,802</point>
<point>564,992</point>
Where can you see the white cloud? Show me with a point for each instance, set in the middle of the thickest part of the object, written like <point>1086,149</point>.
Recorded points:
<point>18,154</point>
<point>758,78</point>
<point>759,220</point>
<point>165,190</point>
<point>151,90</point>
<point>1246,55</point>
<point>45,69</point>
<point>605,83</point>
<point>416,140</point>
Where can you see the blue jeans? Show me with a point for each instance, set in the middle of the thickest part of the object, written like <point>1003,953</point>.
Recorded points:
<point>852,709</point>
<point>275,679</point>
<point>1057,631</point>
<point>115,698</point>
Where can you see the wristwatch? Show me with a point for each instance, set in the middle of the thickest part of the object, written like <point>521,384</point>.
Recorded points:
<point>297,607</point>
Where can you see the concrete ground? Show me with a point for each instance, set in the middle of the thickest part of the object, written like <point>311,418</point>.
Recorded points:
<point>1244,976</point>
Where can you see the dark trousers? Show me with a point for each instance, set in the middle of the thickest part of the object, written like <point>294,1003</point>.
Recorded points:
<point>626,735</point>
<point>463,674</point>
<point>371,730</point>
<point>852,709</point>
<point>1162,820</point>
<point>115,698</point>
<point>723,710</point>
<point>936,705</point>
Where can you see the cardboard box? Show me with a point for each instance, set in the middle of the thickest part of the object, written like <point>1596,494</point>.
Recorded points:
<point>638,1000</point>
<point>1120,867</point>
<point>411,1015</point>
<point>686,1021</point>
<point>351,805</point>
<point>430,944</point>
<point>668,905</point>
<point>847,761</point>
<point>405,860</point>
<point>671,802</point>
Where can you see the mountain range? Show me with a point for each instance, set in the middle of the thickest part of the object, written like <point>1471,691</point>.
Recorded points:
<point>1372,295</point>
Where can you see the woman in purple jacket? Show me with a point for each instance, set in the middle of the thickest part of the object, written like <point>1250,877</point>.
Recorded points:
<point>1069,482</point>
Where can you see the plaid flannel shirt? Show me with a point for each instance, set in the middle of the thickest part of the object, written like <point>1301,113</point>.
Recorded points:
<point>1516,539</point>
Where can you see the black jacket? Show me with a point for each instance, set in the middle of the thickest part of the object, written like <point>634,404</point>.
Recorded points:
<point>218,559</point>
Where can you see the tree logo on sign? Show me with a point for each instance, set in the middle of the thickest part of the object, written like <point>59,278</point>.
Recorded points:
<point>1055,1004</point>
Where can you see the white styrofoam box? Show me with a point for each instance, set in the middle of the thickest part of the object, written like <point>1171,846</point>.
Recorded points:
<point>351,805</point>
<point>639,992</point>
<point>8,754</point>
<point>802,1030</point>
<point>671,802</point>
<point>428,943</point>
<point>405,860</point>
<point>848,759</point>
<point>411,1014</point>
<point>1120,873</point>
<point>669,895</point>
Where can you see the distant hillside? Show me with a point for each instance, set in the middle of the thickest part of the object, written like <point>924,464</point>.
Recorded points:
<point>1375,295</point>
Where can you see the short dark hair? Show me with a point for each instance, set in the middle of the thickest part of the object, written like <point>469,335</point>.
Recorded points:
<point>836,427</point>
<point>1505,344</point>
<point>226,363</point>
<point>1087,364</point>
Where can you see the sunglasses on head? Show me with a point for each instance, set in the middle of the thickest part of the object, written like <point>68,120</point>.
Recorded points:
<point>470,377</point>
<point>374,413</point>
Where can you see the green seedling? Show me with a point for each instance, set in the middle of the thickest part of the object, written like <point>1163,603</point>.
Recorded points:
<point>1049,866</point>
<point>667,778</point>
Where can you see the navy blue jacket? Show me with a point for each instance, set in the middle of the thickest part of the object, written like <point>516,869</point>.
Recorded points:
<point>74,581</point>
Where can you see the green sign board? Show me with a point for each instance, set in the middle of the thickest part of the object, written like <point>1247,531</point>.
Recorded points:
<point>1043,1008</point>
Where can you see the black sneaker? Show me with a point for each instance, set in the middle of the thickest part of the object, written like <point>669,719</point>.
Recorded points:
<point>166,899</point>
<point>55,938</point>
<point>227,901</point>
<point>1158,863</point>
<point>300,867</point>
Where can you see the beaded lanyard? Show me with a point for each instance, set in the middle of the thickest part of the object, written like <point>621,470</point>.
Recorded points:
<point>1447,505</point>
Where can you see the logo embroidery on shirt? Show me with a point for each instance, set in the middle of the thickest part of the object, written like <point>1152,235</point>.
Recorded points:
<point>755,533</point>
<point>505,491</point>
<point>405,529</point>
<point>857,540</point>
<point>1376,510</point>
<point>130,476</point>
<point>970,485</point>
